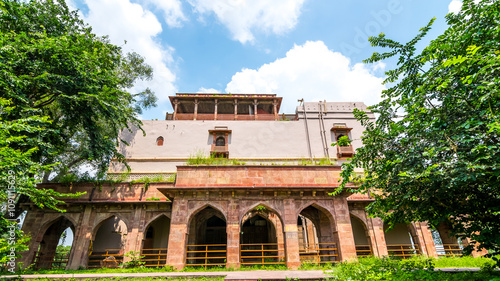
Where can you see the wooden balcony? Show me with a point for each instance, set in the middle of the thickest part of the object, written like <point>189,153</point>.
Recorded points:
<point>345,151</point>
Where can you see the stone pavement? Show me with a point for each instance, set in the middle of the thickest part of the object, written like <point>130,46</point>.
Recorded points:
<point>229,275</point>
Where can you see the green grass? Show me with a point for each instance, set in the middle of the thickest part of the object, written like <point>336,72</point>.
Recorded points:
<point>466,261</point>
<point>417,268</point>
<point>317,162</point>
<point>419,262</point>
<point>199,158</point>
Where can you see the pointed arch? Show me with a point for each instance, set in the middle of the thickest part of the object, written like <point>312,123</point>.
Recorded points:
<point>254,207</point>
<point>154,219</point>
<point>324,228</point>
<point>204,206</point>
<point>100,222</point>
<point>50,222</point>
<point>316,204</point>
<point>49,240</point>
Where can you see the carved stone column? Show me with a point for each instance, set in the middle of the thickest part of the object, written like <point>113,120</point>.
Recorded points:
<point>195,109</point>
<point>235,109</point>
<point>215,111</point>
<point>176,103</point>
<point>275,110</point>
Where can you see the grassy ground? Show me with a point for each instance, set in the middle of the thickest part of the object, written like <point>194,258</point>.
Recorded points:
<point>418,268</point>
<point>436,263</point>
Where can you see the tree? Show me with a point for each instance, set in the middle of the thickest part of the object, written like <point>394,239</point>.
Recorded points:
<point>51,63</point>
<point>433,153</point>
<point>65,94</point>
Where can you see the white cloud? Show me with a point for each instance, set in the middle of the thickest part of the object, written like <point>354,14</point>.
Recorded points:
<point>208,91</point>
<point>125,21</point>
<point>244,17</point>
<point>313,72</point>
<point>172,11</point>
<point>455,6</point>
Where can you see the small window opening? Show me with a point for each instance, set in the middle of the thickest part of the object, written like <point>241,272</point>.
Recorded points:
<point>220,141</point>
<point>159,141</point>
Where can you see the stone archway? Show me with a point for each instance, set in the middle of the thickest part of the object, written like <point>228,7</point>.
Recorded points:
<point>361,237</point>
<point>261,237</point>
<point>326,249</point>
<point>48,255</point>
<point>108,242</point>
<point>402,241</point>
<point>207,238</point>
<point>155,242</point>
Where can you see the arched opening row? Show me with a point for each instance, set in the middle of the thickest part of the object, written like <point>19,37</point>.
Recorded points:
<point>261,240</point>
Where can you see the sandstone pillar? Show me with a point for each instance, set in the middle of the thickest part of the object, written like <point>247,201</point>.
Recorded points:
<point>133,238</point>
<point>345,237</point>
<point>426,244</point>
<point>176,253</point>
<point>82,237</point>
<point>233,236</point>
<point>291,235</point>
<point>31,227</point>
<point>377,237</point>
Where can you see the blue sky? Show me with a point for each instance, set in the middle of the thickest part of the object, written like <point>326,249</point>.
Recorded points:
<point>311,49</point>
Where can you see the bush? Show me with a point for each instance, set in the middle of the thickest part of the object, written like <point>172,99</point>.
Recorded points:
<point>416,268</point>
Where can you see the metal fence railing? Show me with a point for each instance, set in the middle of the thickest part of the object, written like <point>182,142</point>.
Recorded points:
<point>364,251</point>
<point>319,252</point>
<point>403,251</point>
<point>154,257</point>
<point>264,253</point>
<point>96,257</point>
<point>50,260</point>
<point>449,250</point>
<point>206,255</point>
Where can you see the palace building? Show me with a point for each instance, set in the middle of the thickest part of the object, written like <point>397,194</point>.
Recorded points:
<point>228,180</point>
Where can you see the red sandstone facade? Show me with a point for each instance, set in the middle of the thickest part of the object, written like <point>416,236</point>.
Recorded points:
<point>234,194</point>
<point>270,212</point>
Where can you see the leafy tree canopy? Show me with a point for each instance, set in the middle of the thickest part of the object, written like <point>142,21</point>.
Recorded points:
<point>52,65</point>
<point>433,153</point>
<point>65,94</point>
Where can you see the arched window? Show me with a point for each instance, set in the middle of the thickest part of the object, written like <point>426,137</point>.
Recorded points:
<point>220,141</point>
<point>159,141</point>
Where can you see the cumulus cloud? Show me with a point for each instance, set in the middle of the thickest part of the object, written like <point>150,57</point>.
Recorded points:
<point>313,72</point>
<point>244,17</point>
<point>125,21</point>
<point>208,91</point>
<point>172,11</point>
<point>455,6</point>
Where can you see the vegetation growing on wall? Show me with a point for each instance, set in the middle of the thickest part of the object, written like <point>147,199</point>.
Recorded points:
<point>200,158</point>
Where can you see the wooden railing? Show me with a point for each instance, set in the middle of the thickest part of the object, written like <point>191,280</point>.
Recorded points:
<point>364,251</point>
<point>206,255</point>
<point>95,257</point>
<point>50,260</point>
<point>403,251</point>
<point>154,257</point>
<point>319,252</point>
<point>449,250</point>
<point>266,253</point>
<point>220,148</point>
